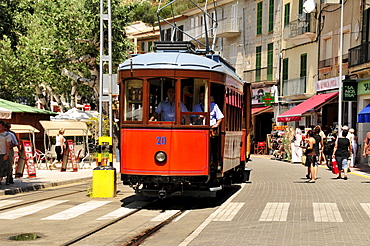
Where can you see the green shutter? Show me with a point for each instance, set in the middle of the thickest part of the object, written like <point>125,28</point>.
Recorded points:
<point>270,63</point>
<point>258,63</point>
<point>286,14</point>
<point>303,72</point>
<point>285,68</point>
<point>300,7</point>
<point>271,16</point>
<point>259,18</point>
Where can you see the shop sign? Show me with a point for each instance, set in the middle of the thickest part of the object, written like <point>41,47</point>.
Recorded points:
<point>349,91</point>
<point>327,84</point>
<point>363,87</point>
<point>268,99</point>
<point>258,94</point>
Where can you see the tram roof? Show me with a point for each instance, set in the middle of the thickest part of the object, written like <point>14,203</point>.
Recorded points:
<point>178,60</point>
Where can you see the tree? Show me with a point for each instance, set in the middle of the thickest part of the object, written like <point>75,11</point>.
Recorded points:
<point>59,53</point>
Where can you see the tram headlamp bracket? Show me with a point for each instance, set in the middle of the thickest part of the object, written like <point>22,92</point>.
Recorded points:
<point>160,157</point>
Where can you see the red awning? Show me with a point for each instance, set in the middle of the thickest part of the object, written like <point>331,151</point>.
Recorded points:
<point>260,109</point>
<point>295,113</point>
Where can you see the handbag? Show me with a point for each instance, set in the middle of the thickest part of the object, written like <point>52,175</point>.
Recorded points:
<point>303,158</point>
<point>334,166</point>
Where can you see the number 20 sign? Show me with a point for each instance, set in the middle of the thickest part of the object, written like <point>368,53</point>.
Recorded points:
<point>161,140</point>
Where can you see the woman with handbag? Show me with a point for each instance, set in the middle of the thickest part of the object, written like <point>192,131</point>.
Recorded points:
<point>310,156</point>
<point>342,153</point>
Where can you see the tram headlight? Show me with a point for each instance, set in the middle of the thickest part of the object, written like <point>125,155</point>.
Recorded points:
<point>160,156</point>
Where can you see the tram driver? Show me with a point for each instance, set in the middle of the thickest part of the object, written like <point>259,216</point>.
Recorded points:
<point>166,108</point>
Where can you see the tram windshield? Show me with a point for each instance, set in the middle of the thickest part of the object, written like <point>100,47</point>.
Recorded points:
<point>159,103</point>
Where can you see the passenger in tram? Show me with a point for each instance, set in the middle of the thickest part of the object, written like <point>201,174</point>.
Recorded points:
<point>166,108</point>
<point>215,115</point>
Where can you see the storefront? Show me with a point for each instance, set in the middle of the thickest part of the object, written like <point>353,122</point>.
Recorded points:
<point>363,126</point>
<point>262,115</point>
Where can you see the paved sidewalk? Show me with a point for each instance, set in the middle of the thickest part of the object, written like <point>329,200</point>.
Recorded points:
<point>48,178</point>
<point>279,207</point>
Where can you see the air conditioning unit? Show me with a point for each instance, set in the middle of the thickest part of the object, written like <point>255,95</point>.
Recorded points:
<point>331,1</point>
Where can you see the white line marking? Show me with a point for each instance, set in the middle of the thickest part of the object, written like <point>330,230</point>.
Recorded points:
<point>326,212</point>
<point>165,215</point>
<point>116,213</point>
<point>76,211</point>
<point>181,216</point>
<point>275,211</point>
<point>20,212</point>
<point>229,212</point>
<point>366,207</point>
<point>205,223</point>
<point>8,202</point>
<point>123,210</point>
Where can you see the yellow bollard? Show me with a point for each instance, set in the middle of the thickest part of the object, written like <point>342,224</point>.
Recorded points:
<point>104,182</point>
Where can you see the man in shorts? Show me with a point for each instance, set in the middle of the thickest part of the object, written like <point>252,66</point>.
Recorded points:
<point>5,140</point>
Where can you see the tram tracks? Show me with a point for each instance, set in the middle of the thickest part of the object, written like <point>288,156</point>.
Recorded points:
<point>138,236</point>
<point>99,228</point>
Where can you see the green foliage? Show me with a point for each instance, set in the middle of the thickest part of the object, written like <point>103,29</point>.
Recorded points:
<point>49,34</point>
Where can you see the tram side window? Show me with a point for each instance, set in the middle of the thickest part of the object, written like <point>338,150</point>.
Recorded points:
<point>133,100</point>
<point>234,102</point>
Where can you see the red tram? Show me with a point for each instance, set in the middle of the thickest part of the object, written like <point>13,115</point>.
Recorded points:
<point>178,157</point>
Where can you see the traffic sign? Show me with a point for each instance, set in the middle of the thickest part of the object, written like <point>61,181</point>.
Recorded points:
<point>87,107</point>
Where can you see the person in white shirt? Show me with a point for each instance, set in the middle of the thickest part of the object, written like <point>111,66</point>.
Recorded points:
<point>353,139</point>
<point>59,148</point>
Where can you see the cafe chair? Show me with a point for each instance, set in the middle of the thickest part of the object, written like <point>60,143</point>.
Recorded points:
<point>260,148</point>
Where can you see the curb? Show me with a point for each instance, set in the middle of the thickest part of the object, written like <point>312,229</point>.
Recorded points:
<point>35,187</point>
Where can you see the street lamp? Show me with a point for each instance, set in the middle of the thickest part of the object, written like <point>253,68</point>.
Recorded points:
<point>340,69</point>
<point>308,7</point>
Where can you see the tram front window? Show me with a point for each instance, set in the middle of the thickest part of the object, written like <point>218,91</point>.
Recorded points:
<point>162,100</point>
<point>133,100</point>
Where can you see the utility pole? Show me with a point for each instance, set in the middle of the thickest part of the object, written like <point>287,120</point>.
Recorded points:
<point>105,21</point>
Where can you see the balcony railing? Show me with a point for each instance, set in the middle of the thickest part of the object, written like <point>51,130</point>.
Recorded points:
<point>301,30</point>
<point>359,55</point>
<point>294,86</point>
<point>229,27</point>
<point>266,74</point>
<point>344,59</point>
<point>326,63</point>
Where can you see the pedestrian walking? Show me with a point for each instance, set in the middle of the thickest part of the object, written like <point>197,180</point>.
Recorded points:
<point>59,148</point>
<point>14,143</point>
<point>342,153</point>
<point>310,156</point>
<point>318,147</point>
<point>5,140</point>
<point>366,151</point>
<point>353,139</point>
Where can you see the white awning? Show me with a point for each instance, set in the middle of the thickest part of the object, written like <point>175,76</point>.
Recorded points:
<point>5,113</point>
<point>72,128</point>
<point>23,128</point>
